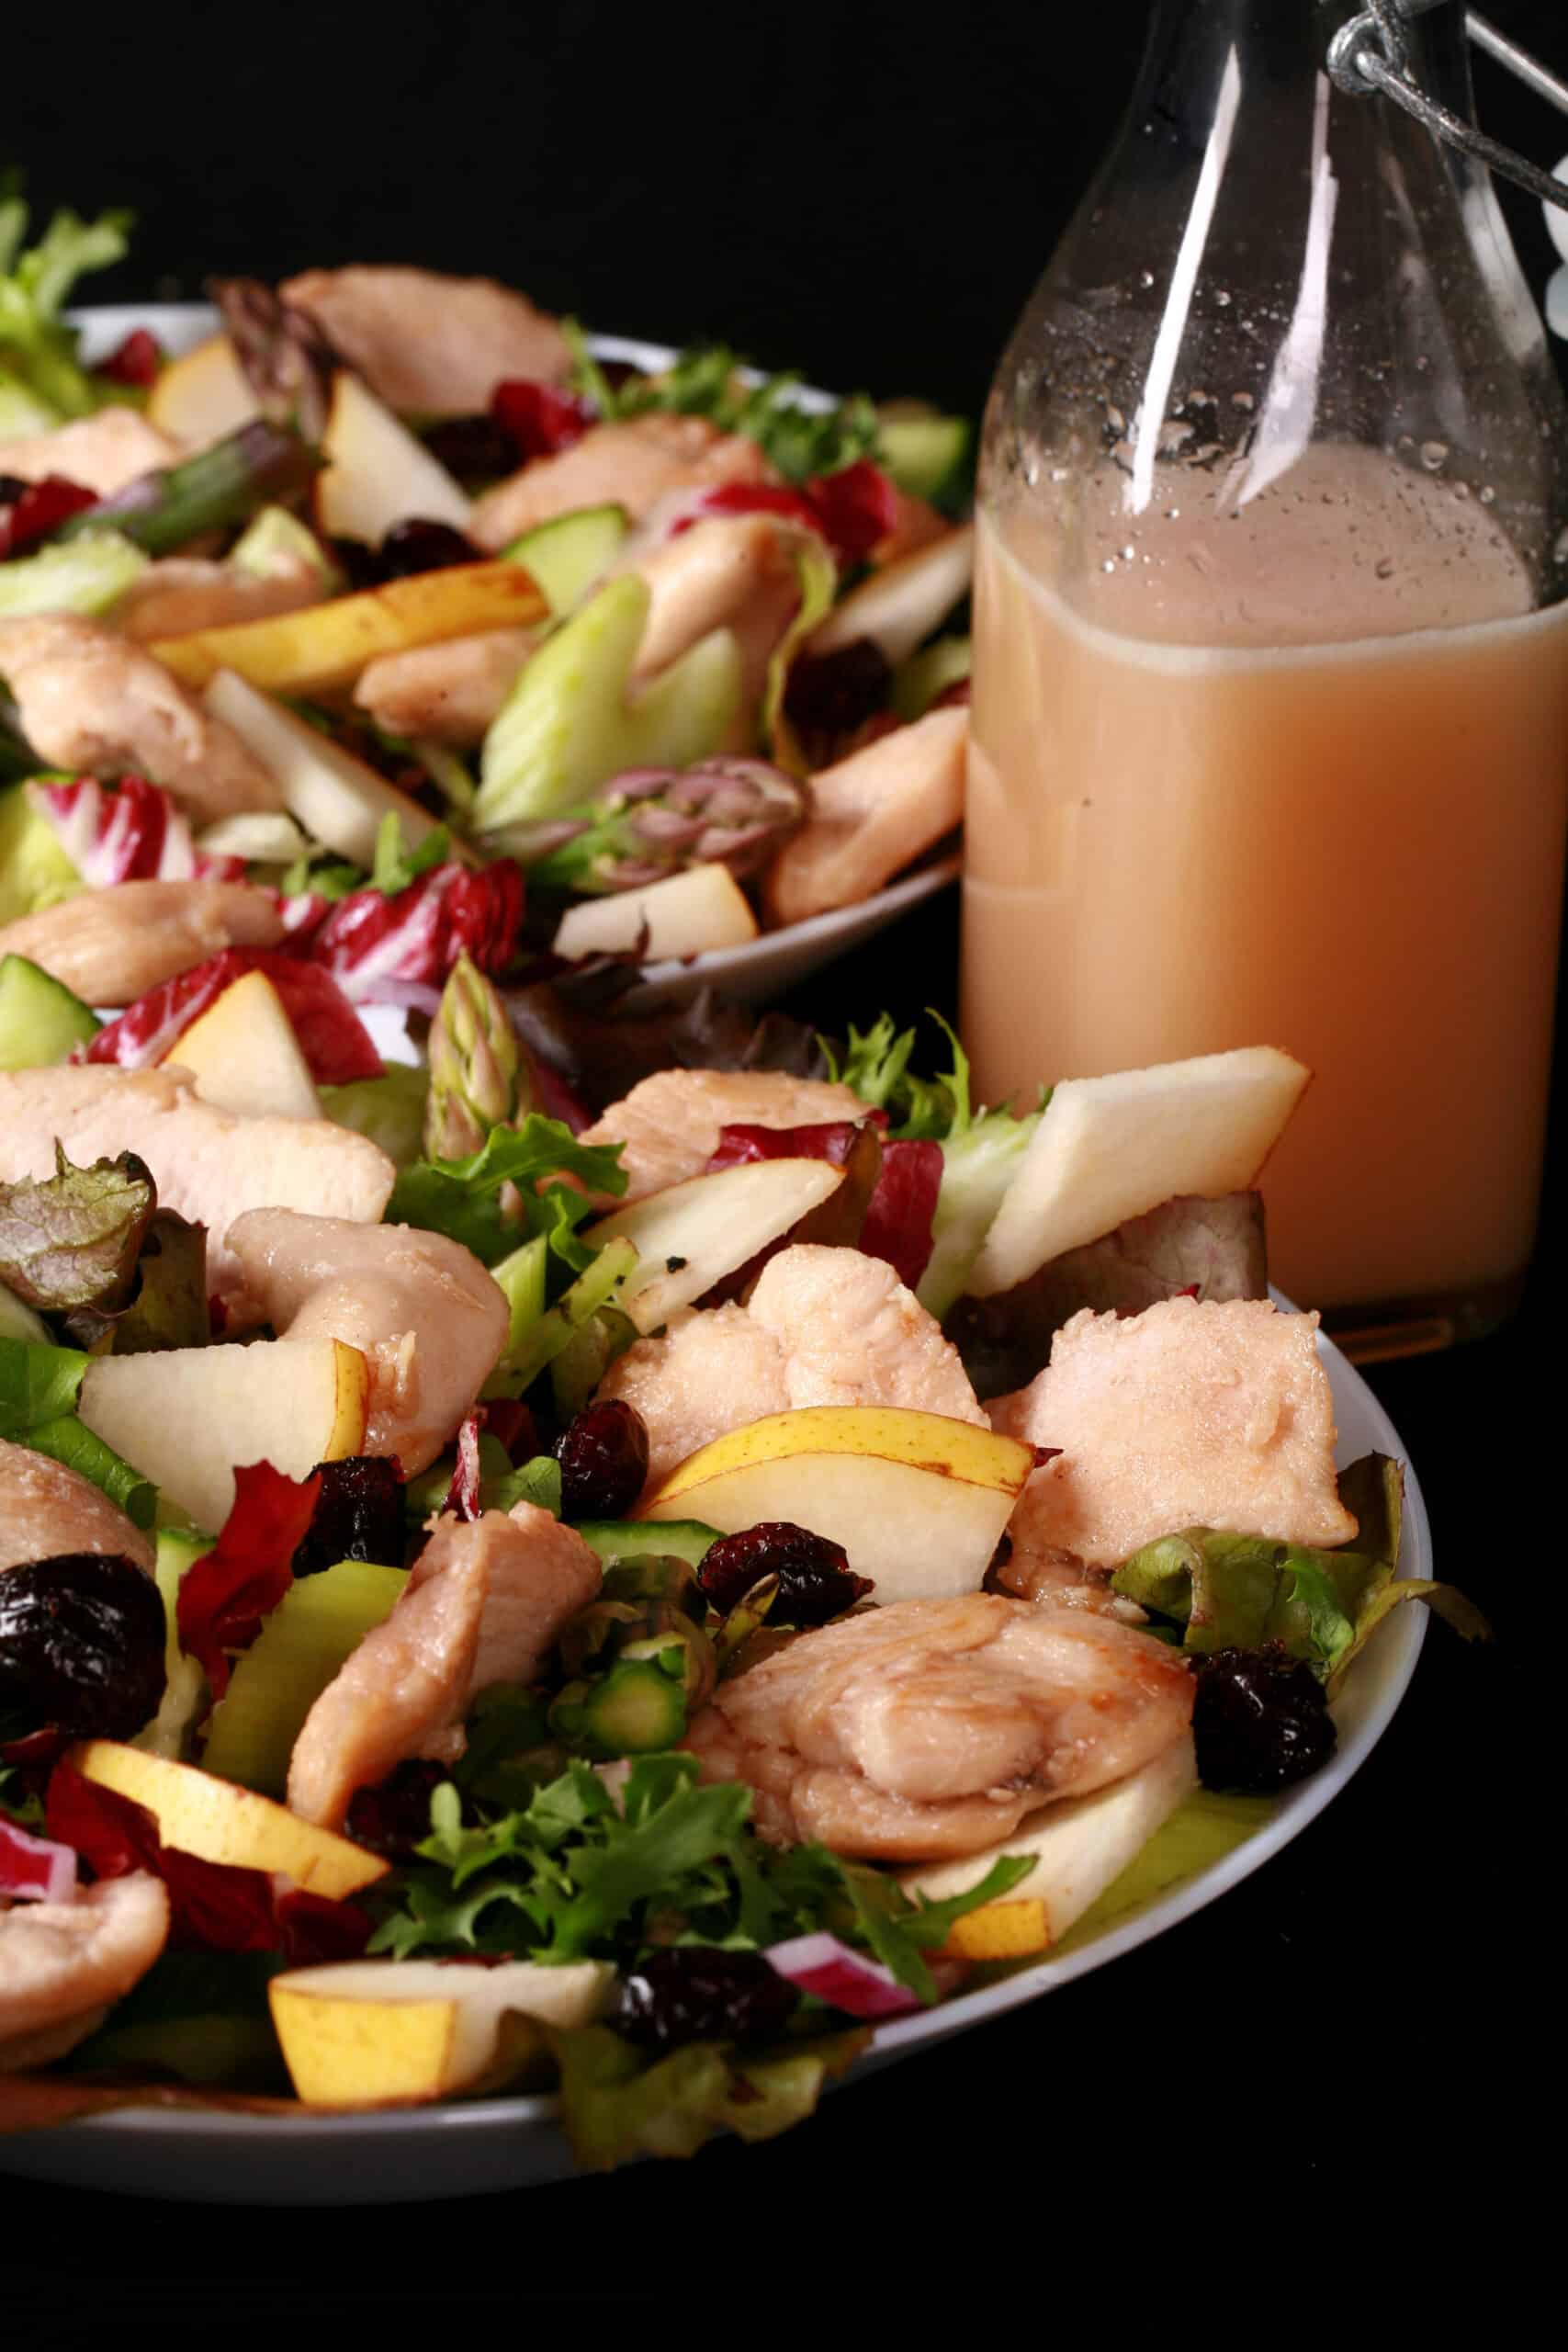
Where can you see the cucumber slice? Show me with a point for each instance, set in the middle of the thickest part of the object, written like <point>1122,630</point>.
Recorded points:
<point>309,1636</point>
<point>41,1021</point>
<point>569,555</point>
<point>17,1321</point>
<point>567,726</point>
<point>927,457</point>
<point>87,575</point>
<point>184,1691</point>
<point>625,1539</point>
<point>35,872</point>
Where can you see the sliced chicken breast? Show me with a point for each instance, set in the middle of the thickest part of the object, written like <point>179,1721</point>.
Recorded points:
<point>102,453</point>
<point>633,463</point>
<point>48,1511</point>
<point>426,344</point>
<point>110,947</point>
<point>670,1123</point>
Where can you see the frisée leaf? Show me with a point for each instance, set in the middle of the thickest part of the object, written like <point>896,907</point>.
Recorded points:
<point>510,1191</point>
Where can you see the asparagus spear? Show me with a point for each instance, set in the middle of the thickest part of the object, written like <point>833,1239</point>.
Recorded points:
<point>225,484</point>
<point>651,821</point>
<point>478,1075</point>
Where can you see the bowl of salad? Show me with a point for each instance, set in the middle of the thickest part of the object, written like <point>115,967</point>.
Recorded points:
<point>678,648</point>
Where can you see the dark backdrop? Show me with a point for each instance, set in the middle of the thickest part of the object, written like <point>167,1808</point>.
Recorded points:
<point>867,193</point>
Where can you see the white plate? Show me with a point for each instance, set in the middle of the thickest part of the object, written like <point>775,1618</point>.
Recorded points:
<point>767,966</point>
<point>515,2143</point>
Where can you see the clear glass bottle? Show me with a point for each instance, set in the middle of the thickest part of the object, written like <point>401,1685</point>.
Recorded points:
<point>1270,696</point>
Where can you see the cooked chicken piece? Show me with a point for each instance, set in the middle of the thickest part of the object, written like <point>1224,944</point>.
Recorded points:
<point>919,524</point>
<point>823,1327</point>
<point>1192,1414</point>
<point>853,1335</point>
<point>1060,1580</point>
<point>429,344</point>
<point>422,1310</point>
<point>450,691</point>
<point>733,572</point>
<point>206,1163</point>
<point>634,464</point>
<point>873,813</point>
<point>102,453</point>
<point>110,947</point>
<point>47,1512</point>
<point>61,1965</point>
<point>708,1372</point>
<point>90,701</point>
<point>930,1727</point>
<point>483,1603</point>
<point>670,1123</point>
<point>186,593</point>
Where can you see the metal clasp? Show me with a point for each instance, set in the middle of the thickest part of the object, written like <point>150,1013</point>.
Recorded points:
<point>1371,54</point>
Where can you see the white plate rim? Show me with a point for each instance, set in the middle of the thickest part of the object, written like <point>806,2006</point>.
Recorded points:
<point>1371,1700</point>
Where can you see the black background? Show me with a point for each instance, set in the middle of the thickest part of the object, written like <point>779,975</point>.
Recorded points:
<point>1332,2063</point>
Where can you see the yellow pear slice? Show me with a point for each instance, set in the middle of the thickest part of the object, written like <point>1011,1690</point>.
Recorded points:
<point>917,1501</point>
<point>339,799</point>
<point>186,1417</point>
<point>202,395</point>
<point>244,1055</point>
<point>367,2032</point>
<point>1110,1148</point>
<point>198,1814</point>
<point>379,472</point>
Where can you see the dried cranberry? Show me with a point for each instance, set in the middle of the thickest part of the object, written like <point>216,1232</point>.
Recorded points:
<point>474,448</point>
<point>359,562</point>
<point>81,1640</point>
<point>698,1993</point>
<point>36,508</point>
<point>416,545</point>
<point>830,695</point>
<point>135,360</point>
<point>540,419</point>
<point>358,1515</point>
<point>816,1580</point>
<point>1261,1720</point>
<point>603,1460</point>
<point>394,1817</point>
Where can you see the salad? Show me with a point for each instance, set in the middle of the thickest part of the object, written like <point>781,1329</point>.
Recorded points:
<point>627,1602</point>
<point>639,663</point>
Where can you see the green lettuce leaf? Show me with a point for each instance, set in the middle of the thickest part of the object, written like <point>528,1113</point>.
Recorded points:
<point>396,864</point>
<point>73,1239</point>
<point>616,2104</point>
<point>388,1109</point>
<point>171,1307</point>
<point>491,1201</point>
<point>38,348</point>
<point>38,1383</point>
<point>1243,1592</point>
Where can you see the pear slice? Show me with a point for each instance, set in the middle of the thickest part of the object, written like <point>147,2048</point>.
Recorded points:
<point>371,2033</point>
<point>688,1236</point>
<point>339,800</point>
<point>186,1417</point>
<point>198,1814</point>
<point>686,914</point>
<point>899,606</point>
<point>918,1501</point>
<point>378,472</point>
<point>1110,1148</point>
<point>202,395</point>
<point>244,1055</point>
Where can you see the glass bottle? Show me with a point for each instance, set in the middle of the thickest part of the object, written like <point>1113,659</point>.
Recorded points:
<point>1270,695</point>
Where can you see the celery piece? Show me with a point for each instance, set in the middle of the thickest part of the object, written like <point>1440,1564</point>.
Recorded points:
<point>86,576</point>
<point>569,555</point>
<point>35,872</point>
<point>317,1625</point>
<point>522,1280</point>
<point>520,1366</point>
<point>185,1689</point>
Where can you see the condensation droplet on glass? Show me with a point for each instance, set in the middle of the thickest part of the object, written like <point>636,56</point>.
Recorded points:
<point>1109,564</point>
<point>1032,471</point>
<point>1243,401</point>
<point>1114,418</point>
<point>1559,547</point>
<point>1222,298</point>
<point>1128,553</point>
<point>1422,363</point>
<point>1486,494</point>
<point>1432,455</point>
<point>1384,567</point>
<point>1145,277</point>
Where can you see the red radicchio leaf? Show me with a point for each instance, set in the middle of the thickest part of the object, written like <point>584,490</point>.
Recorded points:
<point>417,934</point>
<point>33,1869</point>
<point>130,831</point>
<point>855,508</point>
<point>37,509</point>
<point>899,1218</point>
<point>332,1038</point>
<point>214,1905</point>
<point>463,1494</point>
<point>510,1422</point>
<point>225,1594</point>
<point>748,498</point>
<point>135,361</point>
<point>540,419</point>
